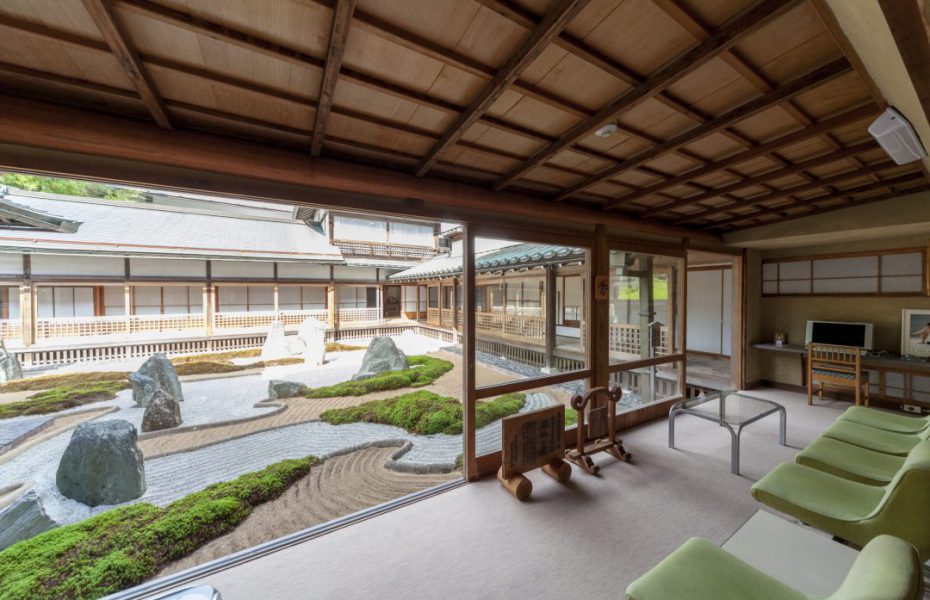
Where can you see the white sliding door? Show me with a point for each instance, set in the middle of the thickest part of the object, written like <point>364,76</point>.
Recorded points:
<point>710,310</point>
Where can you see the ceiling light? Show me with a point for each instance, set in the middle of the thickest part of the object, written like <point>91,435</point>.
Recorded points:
<point>606,130</point>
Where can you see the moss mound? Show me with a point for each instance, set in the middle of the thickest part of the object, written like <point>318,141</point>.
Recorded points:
<point>63,397</point>
<point>125,546</point>
<point>47,382</point>
<point>423,370</point>
<point>424,413</point>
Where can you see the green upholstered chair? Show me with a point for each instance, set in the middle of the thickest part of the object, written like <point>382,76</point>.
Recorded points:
<point>880,440</point>
<point>886,569</point>
<point>881,419</point>
<point>854,511</point>
<point>850,462</point>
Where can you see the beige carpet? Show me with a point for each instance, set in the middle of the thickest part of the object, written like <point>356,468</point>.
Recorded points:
<point>588,539</point>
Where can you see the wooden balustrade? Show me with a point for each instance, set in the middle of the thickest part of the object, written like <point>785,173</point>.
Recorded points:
<point>358,315</point>
<point>11,329</point>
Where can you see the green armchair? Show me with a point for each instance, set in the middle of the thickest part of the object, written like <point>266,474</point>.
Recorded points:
<point>872,438</point>
<point>886,569</point>
<point>850,462</point>
<point>854,511</point>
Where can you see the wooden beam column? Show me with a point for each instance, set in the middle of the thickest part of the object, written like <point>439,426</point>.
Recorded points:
<point>27,303</point>
<point>598,348</point>
<point>468,354</point>
<point>342,17</point>
<point>550,302</point>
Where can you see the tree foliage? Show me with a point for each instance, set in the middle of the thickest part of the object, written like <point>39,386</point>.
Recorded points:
<point>68,187</point>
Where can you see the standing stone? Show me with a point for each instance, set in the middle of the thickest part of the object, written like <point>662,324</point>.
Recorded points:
<point>313,334</point>
<point>10,368</point>
<point>163,412</point>
<point>275,345</point>
<point>278,389</point>
<point>23,519</point>
<point>382,355</point>
<point>157,373</point>
<point>102,464</point>
<point>294,345</point>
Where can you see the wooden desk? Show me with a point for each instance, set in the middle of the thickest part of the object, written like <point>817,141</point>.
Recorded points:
<point>893,378</point>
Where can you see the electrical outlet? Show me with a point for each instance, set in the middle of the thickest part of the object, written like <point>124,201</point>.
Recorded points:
<point>911,408</point>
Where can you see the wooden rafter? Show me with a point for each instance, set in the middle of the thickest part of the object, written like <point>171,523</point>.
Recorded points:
<point>806,187</point>
<point>798,85</point>
<point>776,173</point>
<point>102,14</point>
<point>846,118</point>
<point>853,202</point>
<point>342,18</point>
<point>839,195</point>
<point>553,23</point>
<point>742,24</point>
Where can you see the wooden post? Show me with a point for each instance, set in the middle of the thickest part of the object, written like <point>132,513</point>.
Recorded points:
<point>599,345</point>
<point>209,309</point>
<point>275,294</point>
<point>417,307</point>
<point>550,302</point>
<point>455,304</point>
<point>331,306</point>
<point>127,306</point>
<point>683,323</point>
<point>468,354</point>
<point>646,316</point>
<point>27,311</point>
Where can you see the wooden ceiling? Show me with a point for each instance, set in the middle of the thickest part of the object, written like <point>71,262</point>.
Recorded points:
<point>729,113</point>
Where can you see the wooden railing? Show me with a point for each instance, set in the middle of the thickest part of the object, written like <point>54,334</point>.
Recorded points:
<point>358,315</point>
<point>626,337</point>
<point>263,319</point>
<point>11,329</point>
<point>71,327</point>
<point>354,248</point>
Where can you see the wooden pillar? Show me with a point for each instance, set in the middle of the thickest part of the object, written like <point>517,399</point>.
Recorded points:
<point>550,304</point>
<point>331,306</point>
<point>468,355</point>
<point>275,293</point>
<point>455,304</point>
<point>599,345</point>
<point>646,316</point>
<point>27,311</point>
<point>209,308</point>
<point>417,307</point>
<point>127,306</point>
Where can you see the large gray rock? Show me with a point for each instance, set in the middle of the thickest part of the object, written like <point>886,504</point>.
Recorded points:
<point>10,368</point>
<point>284,389</point>
<point>163,412</point>
<point>382,355</point>
<point>313,335</point>
<point>157,373</point>
<point>275,345</point>
<point>23,519</point>
<point>102,464</point>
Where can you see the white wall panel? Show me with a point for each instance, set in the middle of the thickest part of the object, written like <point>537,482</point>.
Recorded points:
<point>705,304</point>
<point>297,270</point>
<point>241,269</point>
<point>166,267</point>
<point>84,265</point>
<point>355,274</point>
<point>11,264</point>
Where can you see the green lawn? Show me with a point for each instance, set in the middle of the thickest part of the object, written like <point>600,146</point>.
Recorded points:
<point>125,546</point>
<point>630,291</point>
<point>425,413</point>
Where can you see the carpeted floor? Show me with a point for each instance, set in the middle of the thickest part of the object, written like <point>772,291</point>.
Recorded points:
<point>588,539</point>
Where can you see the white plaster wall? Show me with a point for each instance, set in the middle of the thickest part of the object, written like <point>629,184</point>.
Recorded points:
<point>166,267</point>
<point>84,265</point>
<point>233,268</point>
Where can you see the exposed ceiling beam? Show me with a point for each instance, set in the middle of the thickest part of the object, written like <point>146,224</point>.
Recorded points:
<point>102,14</point>
<point>342,17</point>
<point>868,187</point>
<point>48,128</point>
<point>742,24</point>
<point>805,82</point>
<point>806,187</point>
<point>776,173</point>
<point>847,118</point>
<point>553,23</point>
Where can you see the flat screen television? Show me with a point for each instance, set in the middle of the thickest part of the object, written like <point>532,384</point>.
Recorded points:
<point>841,334</point>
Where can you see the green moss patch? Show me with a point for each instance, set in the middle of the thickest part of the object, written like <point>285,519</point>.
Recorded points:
<point>424,413</point>
<point>125,546</point>
<point>423,370</point>
<point>219,367</point>
<point>47,382</point>
<point>63,397</point>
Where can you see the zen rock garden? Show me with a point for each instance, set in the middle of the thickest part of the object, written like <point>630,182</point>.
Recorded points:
<point>102,464</point>
<point>382,355</point>
<point>156,387</point>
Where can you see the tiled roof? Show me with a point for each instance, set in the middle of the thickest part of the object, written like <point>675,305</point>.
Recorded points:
<point>517,255</point>
<point>133,228</point>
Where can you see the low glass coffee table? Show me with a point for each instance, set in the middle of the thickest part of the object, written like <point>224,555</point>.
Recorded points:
<point>731,409</point>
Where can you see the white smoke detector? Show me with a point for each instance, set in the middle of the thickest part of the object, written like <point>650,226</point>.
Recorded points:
<point>606,130</point>
<point>896,136</point>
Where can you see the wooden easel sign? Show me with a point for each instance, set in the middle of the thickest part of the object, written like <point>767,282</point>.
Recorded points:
<point>532,440</point>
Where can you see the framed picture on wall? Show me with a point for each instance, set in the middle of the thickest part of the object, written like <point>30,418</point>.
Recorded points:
<point>915,332</point>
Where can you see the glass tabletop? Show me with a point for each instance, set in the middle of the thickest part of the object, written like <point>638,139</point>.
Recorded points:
<point>728,406</point>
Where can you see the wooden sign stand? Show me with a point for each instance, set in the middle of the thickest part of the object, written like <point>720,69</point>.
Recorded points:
<point>600,435</point>
<point>533,440</point>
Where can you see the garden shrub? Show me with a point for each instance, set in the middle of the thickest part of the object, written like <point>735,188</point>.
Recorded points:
<point>423,370</point>
<point>63,397</point>
<point>125,546</point>
<point>424,413</point>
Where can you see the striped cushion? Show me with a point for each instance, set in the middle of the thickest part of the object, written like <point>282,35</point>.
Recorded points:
<point>835,374</point>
